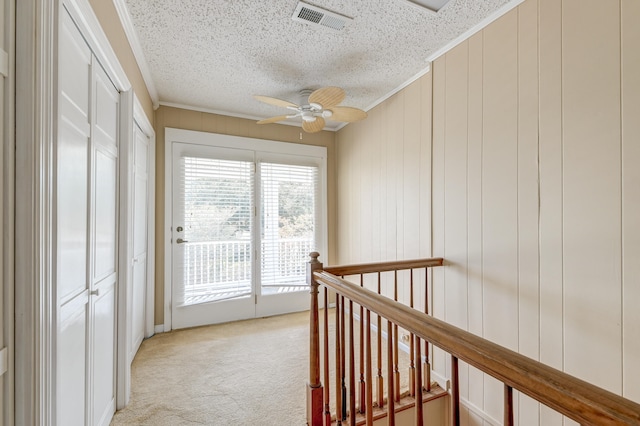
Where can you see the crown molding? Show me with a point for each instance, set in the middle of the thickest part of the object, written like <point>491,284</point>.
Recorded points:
<point>134,42</point>
<point>232,114</point>
<point>444,49</point>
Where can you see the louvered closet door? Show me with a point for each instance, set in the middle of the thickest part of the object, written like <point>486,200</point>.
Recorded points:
<point>212,235</point>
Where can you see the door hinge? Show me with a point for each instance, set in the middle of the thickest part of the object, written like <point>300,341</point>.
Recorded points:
<point>4,361</point>
<point>255,298</point>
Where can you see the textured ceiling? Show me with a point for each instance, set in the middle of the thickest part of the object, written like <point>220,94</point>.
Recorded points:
<point>216,54</point>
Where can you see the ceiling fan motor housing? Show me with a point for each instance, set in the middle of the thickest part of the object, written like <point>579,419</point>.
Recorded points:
<point>315,106</point>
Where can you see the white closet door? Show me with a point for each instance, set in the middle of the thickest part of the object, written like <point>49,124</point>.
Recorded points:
<point>86,234</point>
<point>140,229</point>
<point>104,251</point>
<point>72,178</point>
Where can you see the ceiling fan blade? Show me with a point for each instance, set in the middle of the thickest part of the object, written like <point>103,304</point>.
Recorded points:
<point>327,96</point>
<point>273,119</point>
<point>313,126</point>
<point>348,114</point>
<point>275,101</point>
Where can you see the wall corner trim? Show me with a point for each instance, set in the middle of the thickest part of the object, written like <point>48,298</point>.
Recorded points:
<point>134,42</point>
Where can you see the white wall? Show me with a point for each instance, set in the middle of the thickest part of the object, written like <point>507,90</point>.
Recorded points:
<point>535,193</point>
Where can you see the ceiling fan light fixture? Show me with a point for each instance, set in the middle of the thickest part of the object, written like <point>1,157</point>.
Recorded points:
<point>315,106</point>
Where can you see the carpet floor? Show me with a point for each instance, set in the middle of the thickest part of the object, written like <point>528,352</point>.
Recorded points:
<point>242,373</point>
<point>249,372</point>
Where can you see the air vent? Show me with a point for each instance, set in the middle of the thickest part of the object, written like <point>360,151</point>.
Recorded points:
<point>316,16</point>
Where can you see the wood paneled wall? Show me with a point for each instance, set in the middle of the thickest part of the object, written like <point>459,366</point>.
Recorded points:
<point>384,189</point>
<point>534,192</point>
<point>205,122</point>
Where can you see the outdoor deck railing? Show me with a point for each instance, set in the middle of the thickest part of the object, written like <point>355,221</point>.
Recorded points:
<point>221,265</point>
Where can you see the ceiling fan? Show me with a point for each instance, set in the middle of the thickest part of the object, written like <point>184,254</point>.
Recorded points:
<point>316,106</point>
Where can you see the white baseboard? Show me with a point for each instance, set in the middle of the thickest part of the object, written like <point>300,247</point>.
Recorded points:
<point>442,381</point>
<point>159,328</point>
<point>479,412</point>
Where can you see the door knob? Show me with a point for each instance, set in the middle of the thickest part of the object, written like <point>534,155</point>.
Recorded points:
<point>181,241</point>
<point>95,292</point>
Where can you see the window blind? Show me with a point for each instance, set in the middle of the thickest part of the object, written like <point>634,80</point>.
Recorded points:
<point>289,194</point>
<point>217,197</point>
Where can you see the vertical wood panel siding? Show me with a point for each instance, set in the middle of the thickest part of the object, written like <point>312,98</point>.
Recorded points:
<point>524,168</point>
<point>630,11</point>
<point>439,67</point>
<point>592,191</point>
<point>528,196</point>
<point>474,211</point>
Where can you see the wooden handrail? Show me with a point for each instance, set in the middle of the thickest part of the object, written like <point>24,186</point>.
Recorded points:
<point>395,265</point>
<point>575,398</point>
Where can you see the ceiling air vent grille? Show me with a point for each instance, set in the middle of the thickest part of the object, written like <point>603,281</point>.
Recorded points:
<point>317,16</point>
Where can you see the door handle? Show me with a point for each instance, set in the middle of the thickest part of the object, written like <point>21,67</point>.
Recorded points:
<point>181,241</point>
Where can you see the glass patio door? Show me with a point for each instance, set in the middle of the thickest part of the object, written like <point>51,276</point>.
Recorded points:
<point>244,223</point>
<point>288,232</point>
<point>212,244</point>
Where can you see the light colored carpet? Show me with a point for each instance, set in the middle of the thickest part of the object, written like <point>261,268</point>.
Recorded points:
<point>250,372</point>
<point>243,373</point>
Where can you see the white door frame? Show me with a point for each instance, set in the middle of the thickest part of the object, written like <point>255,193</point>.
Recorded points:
<point>7,168</point>
<point>140,118</point>
<point>132,114</point>
<point>34,303</point>
<point>36,129</point>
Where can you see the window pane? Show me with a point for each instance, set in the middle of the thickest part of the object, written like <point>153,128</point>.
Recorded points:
<point>288,225</point>
<point>218,210</point>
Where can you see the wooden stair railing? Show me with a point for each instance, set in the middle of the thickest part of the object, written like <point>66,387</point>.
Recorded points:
<point>578,400</point>
<point>352,398</point>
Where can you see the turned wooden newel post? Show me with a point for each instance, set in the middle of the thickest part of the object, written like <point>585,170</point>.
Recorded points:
<point>314,387</point>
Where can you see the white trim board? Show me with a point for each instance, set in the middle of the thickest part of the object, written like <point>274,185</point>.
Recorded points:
<point>124,313</point>
<point>141,120</point>
<point>88,24</point>
<point>34,298</point>
<point>232,114</point>
<point>136,47</point>
<point>8,216</point>
<point>480,412</point>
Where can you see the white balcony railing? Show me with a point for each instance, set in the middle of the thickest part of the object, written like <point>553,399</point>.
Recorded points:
<point>222,269</point>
